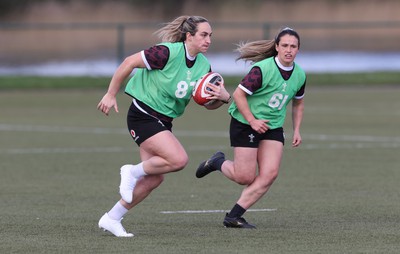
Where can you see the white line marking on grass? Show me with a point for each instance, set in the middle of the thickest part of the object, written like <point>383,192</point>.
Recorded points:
<point>62,150</point>
<point>74,150</point>
<point>216,211</point>
<point>185,133</point>
<point>334,146</point>
<point>99,130</point>
<point>61,129</point>
<point>327,141</point>
<point>359,138</point>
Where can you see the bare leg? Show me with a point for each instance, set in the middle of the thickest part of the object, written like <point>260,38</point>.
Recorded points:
<point>160,154</point>
<point>269,159</point>
<point>269,156</point>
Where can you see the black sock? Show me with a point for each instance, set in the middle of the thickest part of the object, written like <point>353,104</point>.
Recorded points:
<point>218,163</point>
<point>237,211</point>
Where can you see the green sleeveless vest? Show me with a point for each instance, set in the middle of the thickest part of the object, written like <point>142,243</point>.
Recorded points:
<point>270,100</point>
<point>168,91</point>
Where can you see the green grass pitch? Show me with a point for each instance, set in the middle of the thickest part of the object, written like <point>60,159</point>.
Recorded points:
<point>337,193</point>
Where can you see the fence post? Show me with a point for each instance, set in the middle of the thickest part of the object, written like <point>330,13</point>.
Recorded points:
<point>120,43</point>
<point>266,31</point>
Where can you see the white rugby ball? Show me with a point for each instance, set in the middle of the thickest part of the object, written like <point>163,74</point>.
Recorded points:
<point>199,92</point>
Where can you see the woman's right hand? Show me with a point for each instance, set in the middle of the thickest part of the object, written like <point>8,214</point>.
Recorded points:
<point>260,126</point>
<point>107,102</point>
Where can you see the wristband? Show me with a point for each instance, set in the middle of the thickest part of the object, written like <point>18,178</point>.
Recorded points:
<point>229,99</point>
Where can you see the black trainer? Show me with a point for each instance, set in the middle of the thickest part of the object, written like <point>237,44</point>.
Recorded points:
<point>237,223</point>
<point>209,166</point>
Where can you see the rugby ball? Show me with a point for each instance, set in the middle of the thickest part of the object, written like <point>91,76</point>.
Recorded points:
<point>199,92</point>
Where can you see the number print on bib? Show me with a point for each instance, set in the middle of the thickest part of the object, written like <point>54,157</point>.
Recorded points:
<point>278,100</point>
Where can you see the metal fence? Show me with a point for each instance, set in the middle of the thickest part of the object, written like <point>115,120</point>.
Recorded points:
<point>23,43</point>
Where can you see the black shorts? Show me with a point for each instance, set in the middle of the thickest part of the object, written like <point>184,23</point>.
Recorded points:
<point>242,135</point>
<point>143,122</point>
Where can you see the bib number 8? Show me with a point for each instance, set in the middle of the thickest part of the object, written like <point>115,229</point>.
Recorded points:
<point>182,88</point>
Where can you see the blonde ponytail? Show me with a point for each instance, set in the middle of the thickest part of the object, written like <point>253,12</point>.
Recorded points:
<point>175,31</point>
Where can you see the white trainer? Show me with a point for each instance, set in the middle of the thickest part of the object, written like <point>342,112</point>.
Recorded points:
<point>113,226</point>
<point>127,184</point>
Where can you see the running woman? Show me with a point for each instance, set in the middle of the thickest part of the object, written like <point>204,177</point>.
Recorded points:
<point>257,117</point>
<point>161,88</point>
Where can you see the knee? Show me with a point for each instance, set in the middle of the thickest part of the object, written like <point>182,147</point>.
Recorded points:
<point>273,175</point>
<point>179,162</point>
<point>245,179</point>
<point>269,179</point>
<point>266,180</point>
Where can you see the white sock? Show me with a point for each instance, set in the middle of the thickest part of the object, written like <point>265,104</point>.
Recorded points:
<point>117,212</point>
<point>137,171</point>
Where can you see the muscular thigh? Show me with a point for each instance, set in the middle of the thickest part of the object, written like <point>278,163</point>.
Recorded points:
<point>245,162</point>
<point>163,144</point>
<point>269,156</point>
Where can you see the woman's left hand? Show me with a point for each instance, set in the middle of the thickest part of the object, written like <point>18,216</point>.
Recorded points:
<point>296,139</point>
<point>218,92</point>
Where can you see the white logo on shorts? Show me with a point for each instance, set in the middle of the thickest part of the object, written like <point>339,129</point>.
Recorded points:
<point>133,134</point>
<point>251,136</point>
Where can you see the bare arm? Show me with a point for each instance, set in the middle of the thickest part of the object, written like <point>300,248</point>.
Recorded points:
<point>297,118</point>
<point>123,71</point>
<point>259,125</point>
